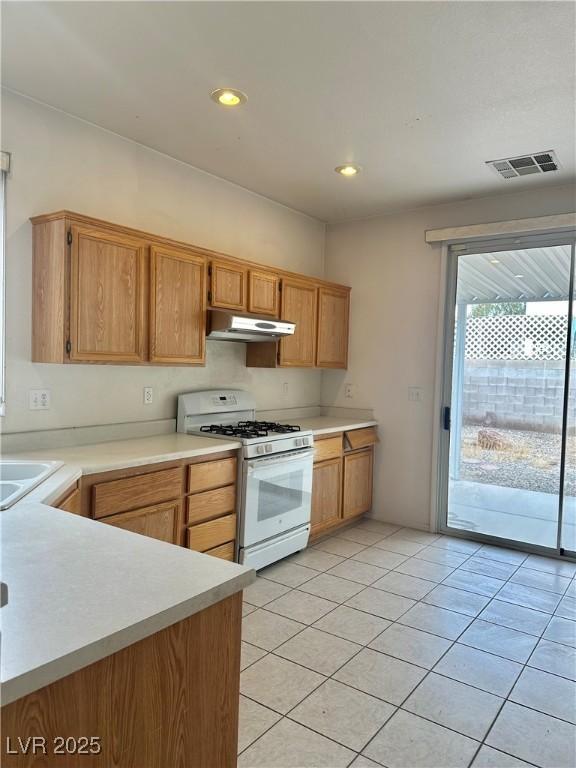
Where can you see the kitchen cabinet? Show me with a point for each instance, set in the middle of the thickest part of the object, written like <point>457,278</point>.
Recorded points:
<point>70,501</point>
<point>299,306</point>
<point>343,478</point>
<point>190,502</point>
<point>177,306</point>
<point>106,296</point>
<point>357,495</point>
<point>158,522</point>
<point>332,336</point>
<point>228,286</point>
<point>326,493</point>
<point>263,293</point>
<point>170,699</point>
<point>105,293</point>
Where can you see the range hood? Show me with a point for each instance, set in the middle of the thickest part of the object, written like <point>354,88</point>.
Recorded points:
<point>229,326</point>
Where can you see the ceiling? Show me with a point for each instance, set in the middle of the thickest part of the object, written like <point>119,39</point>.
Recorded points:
<point>525,274</point>
<point>419,94</point>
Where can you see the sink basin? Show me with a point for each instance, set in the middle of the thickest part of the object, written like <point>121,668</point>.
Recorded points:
<point>17,478</point>
<point>17,471</point>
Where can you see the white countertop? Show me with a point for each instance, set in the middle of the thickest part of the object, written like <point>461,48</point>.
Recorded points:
<point>79,591</point>
<point>120,454</point>
<point>324,425</point>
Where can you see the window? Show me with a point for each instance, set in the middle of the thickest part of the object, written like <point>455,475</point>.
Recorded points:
<point>4,170</point>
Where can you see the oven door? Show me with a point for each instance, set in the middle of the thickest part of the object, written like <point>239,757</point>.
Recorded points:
<point>277,495</point>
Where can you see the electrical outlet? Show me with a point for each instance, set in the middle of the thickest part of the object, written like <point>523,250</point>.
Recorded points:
<point>415,394</point>
<point>39,399</point>
<point>349,391</point>
<point>148,396</point>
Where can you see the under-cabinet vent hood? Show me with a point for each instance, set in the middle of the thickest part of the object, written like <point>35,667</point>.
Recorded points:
<point>229,326</point>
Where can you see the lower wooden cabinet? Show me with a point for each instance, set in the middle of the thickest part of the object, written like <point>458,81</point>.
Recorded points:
<point>342,481</point>
<point>326,493</point>
<point>158,522</point>
<point>357,496</point>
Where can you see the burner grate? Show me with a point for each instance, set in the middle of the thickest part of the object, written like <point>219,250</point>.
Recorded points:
<point>249,429</point>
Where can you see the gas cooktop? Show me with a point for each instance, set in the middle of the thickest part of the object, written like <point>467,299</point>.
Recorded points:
<point>249,429</point>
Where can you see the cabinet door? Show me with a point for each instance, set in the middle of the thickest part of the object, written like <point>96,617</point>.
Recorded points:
<point>326,493</point>
<point>332,347</point>
<point>107,297</point>
<point>299,306</point>
<point>159,522</point>
<point>228,286</point>
<point>177,307</point>
<point>263,293</point>
<point>357,482</point>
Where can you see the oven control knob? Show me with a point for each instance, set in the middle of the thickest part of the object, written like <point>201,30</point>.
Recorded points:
<point>297,442</point>
<point>269,448</point>
<point>259,449</point>
<point>304,441</point>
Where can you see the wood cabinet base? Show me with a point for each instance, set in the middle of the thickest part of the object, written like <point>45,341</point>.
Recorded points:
<point>169,700</point>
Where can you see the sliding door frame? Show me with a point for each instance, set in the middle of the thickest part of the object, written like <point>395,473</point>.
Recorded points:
<point>451,251</point>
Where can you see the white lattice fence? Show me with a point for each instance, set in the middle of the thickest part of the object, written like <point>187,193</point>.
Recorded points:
<point>516,337</point>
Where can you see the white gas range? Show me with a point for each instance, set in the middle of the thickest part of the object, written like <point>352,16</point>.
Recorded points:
<point>274,472</point>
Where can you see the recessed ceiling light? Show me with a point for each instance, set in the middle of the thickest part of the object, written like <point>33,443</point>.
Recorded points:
<point>494,261</point>
<point>350,169</point>
<point>228,97</point>
<point>519,276</point>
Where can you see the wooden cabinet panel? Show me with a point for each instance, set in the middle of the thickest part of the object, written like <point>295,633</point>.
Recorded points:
<point>107,296</point>
<point>357,496</point>
<point>332,346</point>
<point>263,293</point>
<point>71,502</point>
<point>212,534</point>
<point>211,474</point>
<point>299,306</point>
<point>225,552</point>
<point>327,448</point>
<point>140,490</point>
<point>158,522</point>
<point>228,285</point>
<point>361,438</point>
<point>203,506</point>
<point>326,493</point>
<point>177,307</point>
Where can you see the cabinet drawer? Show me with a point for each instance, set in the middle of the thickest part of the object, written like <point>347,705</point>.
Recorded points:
<point>225,552</point>
<point>157,522</point>
<point>328,448</point>
<point>204,506</point>
<point>211,474</point>
<point>361,438</point>
<point>138,491</point>
<point>212,534</point>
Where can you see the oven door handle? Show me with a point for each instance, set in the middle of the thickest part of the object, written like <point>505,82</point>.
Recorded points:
<point>286,458</point>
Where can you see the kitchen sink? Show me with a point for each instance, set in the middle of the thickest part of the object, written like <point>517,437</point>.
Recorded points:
<point>17,478</point>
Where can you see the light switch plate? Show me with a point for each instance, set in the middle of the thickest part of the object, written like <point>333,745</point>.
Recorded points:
<point>415,394</point>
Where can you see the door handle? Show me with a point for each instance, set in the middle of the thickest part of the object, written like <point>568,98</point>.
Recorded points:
<point>446,418</point>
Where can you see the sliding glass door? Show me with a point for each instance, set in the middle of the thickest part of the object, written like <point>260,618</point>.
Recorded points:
<point>508,454</point>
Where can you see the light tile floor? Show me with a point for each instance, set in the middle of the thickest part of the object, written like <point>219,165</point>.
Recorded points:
<point>391,647</point>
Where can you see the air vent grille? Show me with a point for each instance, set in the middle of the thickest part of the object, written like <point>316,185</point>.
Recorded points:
<point>525,165</point>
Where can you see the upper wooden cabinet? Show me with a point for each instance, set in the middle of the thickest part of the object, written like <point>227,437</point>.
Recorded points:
<point>299,306</point>
<point>177,306</point>
<point>263,293</point>
<point>332,343</point>
<point>228,285</point>
<point>107,296</point>
<point>104,293</point>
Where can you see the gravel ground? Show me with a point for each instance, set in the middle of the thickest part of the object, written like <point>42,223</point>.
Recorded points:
<point>531,462</point>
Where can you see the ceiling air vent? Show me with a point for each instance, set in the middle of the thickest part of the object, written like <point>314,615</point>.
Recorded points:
<point>513,167</point>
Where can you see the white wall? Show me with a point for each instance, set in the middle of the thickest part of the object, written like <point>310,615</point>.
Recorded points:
<point>60,162</point>
<point>395,279</point>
